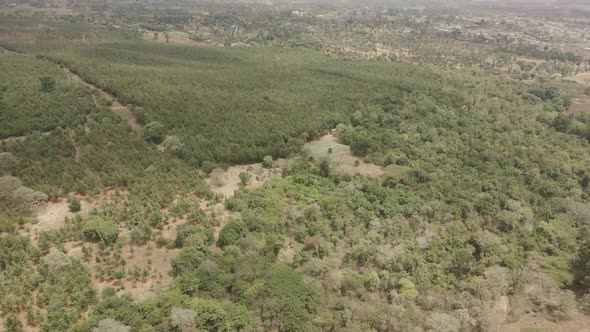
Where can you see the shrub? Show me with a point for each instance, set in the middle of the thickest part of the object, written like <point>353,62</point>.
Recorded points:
<point>267,162</point>
<point>244,178</point>
<point>231,233</point>
<point>74,204</point>
<point>153,132</point>
<point>98,229</point>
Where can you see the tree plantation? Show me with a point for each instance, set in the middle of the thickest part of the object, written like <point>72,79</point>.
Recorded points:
<point>242,104</point>
<point>127,202</point>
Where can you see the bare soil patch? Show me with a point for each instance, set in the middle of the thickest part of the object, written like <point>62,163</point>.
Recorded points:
<point>532,322</point>
<point>52,215</point>
<point>177,38</point>
<point>583,78</point>
<point>340,157</point>
<point>579,105</point>
<point>228,182</point>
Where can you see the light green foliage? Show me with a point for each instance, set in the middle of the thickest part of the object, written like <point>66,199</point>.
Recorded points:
<point>99,229</point>
<point>267,162</point>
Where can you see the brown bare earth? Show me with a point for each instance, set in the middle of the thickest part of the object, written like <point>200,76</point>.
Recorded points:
<point>227,182</point>
<point>52,215</point>
<point>538,323</point>
<point>341,159</point>
<point>583,78</point>
<point>578,107</point>
<point>178,38</point>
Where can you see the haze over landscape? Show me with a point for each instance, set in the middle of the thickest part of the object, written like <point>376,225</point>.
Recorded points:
<point>294,165</point>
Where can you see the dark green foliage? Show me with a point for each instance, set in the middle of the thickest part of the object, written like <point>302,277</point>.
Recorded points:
<point>546,54</point>
<point>231,233</point>
<point>581,263</point>
<point>47,84</point>
<point>30,104</point>
<point>74,204</point>
<point>287,301</point>
<point>153,132</point>
<point>13,250</point>
<point>237,105</point>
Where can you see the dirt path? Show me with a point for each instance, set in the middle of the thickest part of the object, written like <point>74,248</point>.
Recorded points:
<point>116,107</point>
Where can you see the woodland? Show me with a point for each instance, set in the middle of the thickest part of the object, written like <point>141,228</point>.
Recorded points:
<point>484,197</point>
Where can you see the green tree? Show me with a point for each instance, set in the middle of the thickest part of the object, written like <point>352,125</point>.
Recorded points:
<point>74,204</point>
<point>153,132</point>
<point>267,162</point>
<point>231,233</point>
<point>244,178</point>
<point>99,229</point>
<point>581,265</point>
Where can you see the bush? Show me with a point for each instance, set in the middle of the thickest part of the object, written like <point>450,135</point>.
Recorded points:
<point>153,132</point>
<point>231,233</point>
<point>244,178</point>
<point>98,229</point>
<point>209,166</point>
<point>267,162</point>
<point>74,204</point>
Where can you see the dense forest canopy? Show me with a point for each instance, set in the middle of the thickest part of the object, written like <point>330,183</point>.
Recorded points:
<point>243,104</point>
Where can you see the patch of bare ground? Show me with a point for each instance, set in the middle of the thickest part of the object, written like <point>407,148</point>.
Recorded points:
<point>177,38</point>
<point>536,322</point>
<point>228,182</point>
<point>52,215</point>
<point>340,157</point>
<point>579,105</point>
<point>582,78</point>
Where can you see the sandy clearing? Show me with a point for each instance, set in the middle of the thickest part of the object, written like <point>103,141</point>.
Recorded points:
<point>228,182</point>
<point>52,215</point>
<point>583,78</point>
<point>179,38</point>
<point>530,322</point>
<point>579,105</point>
<point>341,159</point>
